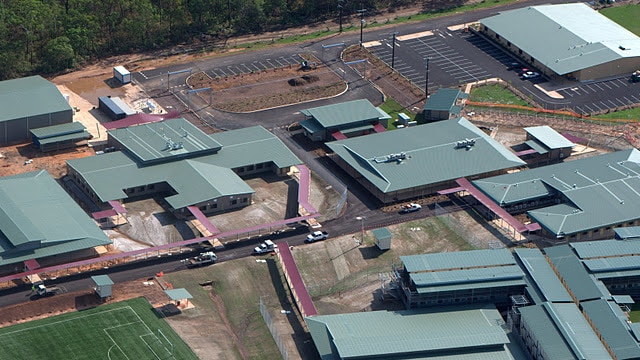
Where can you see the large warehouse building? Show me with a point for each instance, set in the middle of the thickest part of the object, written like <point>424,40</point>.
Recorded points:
<point>570,41</point>
<point>30,103</point>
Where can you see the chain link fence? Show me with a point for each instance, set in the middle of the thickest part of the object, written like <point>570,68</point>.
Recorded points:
<point>273,330</point>
<point>464,231</point>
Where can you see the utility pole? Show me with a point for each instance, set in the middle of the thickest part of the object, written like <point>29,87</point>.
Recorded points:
<point>426,80</point>
<point>340,10</point>
<point>361,11</point>
<point>393,51</point>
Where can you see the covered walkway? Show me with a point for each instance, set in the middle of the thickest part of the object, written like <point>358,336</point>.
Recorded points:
<point>502,214</point>
<point>296,284</point>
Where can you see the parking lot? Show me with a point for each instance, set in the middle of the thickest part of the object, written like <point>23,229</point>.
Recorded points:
<point>457,57</point>
<point>258,65</point>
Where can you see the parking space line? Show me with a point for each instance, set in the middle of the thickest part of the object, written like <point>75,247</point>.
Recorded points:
<point>246,67</point>
<point>230,70</point>
<point>621,102</point>
<point>635,98</point>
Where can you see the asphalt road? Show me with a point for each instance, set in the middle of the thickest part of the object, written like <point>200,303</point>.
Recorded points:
<point>168,91</point>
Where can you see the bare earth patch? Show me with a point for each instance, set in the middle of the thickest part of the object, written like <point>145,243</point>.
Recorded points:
<point>270,88</point>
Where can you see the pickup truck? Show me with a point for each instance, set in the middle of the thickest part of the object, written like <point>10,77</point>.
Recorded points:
<point>316,236</point>
<point>409,208</point>
<point>205,258</point>
<point>266,247</point>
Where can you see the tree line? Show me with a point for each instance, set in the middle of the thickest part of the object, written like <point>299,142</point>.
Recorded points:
<point>49,36</point>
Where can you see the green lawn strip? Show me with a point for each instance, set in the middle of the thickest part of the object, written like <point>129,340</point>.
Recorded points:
<point>632,115</point>
<point>393,108</point>
<point>240,284</point>
<point>117,330</point>
<point>496,94</point>
<point>634,315</point>
<point>625,15</point>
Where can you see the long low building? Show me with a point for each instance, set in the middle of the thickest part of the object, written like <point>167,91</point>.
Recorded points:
<point>583,199</point>
<point>421,160</point>
<point>175,158</point>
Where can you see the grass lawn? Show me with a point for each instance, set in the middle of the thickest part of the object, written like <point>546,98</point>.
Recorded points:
<point>634,315</point>
<point>495,94</point>
<point>124,330</point>
<point>625,15</point>
<point>393,108</point>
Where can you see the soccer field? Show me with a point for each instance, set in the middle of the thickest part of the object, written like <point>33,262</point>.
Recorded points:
<point>119,331</point>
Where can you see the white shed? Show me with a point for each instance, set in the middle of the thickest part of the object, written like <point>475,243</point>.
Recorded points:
<point>123,75</point>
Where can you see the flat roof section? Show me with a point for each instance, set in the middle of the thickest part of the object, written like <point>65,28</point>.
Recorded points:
<point>424,333</point>
<point>58,130</point>
<point>573,273</point>
<point>345,113</point>
<point>444,99</point>
<point>614,332</point>
<point>606,248</point>
<point>489,275</point>
<point>543,276</point>
<point>629,232</point>
<point>457,260</point>
<point>549,137</point>
<point>563,332</point>
<point>165,140</point>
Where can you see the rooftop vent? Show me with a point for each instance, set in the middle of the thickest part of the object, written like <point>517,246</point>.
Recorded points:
<point>466,143</point>
<point>399,157</point>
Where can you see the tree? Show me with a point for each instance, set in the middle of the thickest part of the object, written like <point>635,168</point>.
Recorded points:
<point>59,55</point>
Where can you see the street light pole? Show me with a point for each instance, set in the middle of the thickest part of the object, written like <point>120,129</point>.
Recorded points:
<point>426,80</point>
<point>361,218</point>
<point>340,10</point>
<point>393,51</point>
<point>361,11</point>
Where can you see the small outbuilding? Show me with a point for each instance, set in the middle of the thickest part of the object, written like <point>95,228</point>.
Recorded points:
<point>121,74</point>
<point>444,104</point>
<point>383,238</point>
<point>180,297</point>
<point>103,285</point>
<point>61,136</point>
<point>114,107</point>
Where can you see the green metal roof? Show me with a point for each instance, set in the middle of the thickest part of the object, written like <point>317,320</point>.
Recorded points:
<point>381,233</point>
<point>457,260</point>
<point>28,97</point>
<point>549,137</point>
<point>444,100</point>
<point>420,333</point>
<point>102,280</point>
<point>39,219</point>
<point>562,332</point>
<point>543,276</point>
<point>178,294</point>
<point>433,155</point>
<point>573,273</point>
<point>606,317</point>
<point>623,263</point>
<point>565,37</point>
<point>60,138</point>
<point>169,139</point>
<point>58,130</point>
<point>477,278</point>
<point>606,248</point>
<point>311,125</point>
<point>601,191</point>
<point>537,146</point>
<point>252,145</point>
<point>629,232</point>
<point>345,113</point>
<point>195,180</point>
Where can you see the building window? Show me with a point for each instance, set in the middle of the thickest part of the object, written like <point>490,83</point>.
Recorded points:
<point>141,188</point>
<point>244,200</point>
<point>234,202</point>
<point>497,36</point>
<point>508,44</point>
<point>241,170</point>
<point>214,206</point>
<point>259,166</point>
<point>250,168</point>
<point>152,186</point>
